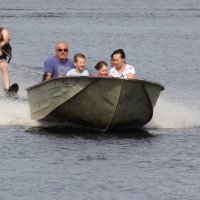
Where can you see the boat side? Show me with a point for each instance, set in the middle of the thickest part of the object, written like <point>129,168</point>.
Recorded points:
<point>94,102</point>
<point>134,107</point>
<point>153,90</point>
<point>93,106</point>
<point>48,95</point>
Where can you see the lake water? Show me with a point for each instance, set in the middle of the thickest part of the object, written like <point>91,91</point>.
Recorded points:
<point>161,39</point>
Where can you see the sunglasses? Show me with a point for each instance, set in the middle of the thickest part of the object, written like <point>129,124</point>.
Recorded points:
<point>65,50</point>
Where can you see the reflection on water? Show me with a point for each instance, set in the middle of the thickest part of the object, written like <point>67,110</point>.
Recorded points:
<point>66,132</point>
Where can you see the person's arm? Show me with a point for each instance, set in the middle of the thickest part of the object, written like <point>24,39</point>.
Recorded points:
<point>87,73</point>
<point>48,76</point>
<point>131,76</point>
<point>131,72</point>
<point>6,38</point>
<point>48,69</point>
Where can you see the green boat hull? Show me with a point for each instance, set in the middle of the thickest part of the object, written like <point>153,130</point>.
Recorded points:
<point>94,102</point>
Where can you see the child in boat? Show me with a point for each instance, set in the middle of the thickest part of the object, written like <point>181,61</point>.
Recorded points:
<point>102,68</point>
<point>79,70</point>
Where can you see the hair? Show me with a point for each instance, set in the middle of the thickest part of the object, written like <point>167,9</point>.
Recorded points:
<point>79,55</point>
<point>61,42</point>
<point>119,51</point>
<point>100,64</point>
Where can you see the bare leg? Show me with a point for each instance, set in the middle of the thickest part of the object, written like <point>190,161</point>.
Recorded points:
<point>5,73</point>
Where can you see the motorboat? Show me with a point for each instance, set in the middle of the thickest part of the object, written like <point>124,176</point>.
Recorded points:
<point>100,103</point>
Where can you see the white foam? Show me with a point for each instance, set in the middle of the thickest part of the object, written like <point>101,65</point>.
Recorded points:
<point>13,112</point>
<point>167,114</point>
<point>173,114</point>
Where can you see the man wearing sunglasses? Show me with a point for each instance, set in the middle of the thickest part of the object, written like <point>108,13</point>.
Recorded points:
<point>58,65</point>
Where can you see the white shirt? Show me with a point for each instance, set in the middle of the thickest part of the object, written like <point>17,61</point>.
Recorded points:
<point>73,72</point>
<point>127,70</point>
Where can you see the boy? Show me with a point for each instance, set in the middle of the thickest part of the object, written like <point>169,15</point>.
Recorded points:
<point>79,70</point>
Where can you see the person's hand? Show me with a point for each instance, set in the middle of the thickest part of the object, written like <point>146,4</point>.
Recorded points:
<point>131,76</point>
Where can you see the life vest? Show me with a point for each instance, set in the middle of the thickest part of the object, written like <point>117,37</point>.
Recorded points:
<point>7,49</point>
<point>3,56</point>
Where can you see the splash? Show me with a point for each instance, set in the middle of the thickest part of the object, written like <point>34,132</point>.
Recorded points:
<point>173,114</point>
<point>167,114</point>
<point>16,111</point>
<point>13,112</point>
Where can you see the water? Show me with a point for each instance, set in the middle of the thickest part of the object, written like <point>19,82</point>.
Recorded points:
<point>161,39</point>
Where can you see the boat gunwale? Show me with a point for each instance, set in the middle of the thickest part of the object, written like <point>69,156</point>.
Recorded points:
<point>93,77</point>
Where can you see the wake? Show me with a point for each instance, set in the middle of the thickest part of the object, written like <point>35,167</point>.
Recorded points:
<point>16,112</point>
<point>176,115</point>
<point>13,113</point>
<point>167,114</point>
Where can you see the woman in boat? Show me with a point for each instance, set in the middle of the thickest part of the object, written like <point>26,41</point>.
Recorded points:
<point>102,68</point>
<point>119,67</point>
<point>79,70</point>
